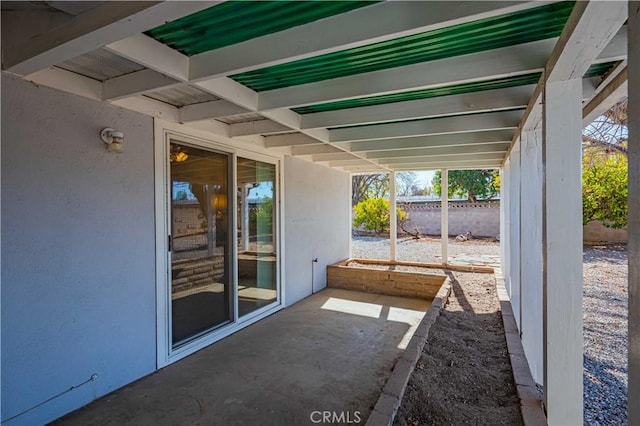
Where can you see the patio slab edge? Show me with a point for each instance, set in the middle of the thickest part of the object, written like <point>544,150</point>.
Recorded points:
<point>530,403</point>
<point>388,403</point>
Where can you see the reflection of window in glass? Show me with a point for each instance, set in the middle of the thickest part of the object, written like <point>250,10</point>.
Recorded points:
<point>182,192</point>
<point>200,256</point>
<point>257,286</point>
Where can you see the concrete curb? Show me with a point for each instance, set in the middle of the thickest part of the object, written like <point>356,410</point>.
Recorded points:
<point>530,403</point>
<point>384,413</point>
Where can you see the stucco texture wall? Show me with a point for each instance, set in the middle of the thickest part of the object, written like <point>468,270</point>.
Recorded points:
<point>78,277</point>
<point>481,219</point>
<point>317,219</point>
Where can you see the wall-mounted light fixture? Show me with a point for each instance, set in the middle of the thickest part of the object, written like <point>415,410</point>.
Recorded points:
<point>177,155</point>
<point>113,139</point>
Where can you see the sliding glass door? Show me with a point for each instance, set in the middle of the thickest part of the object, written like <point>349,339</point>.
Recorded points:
<point>257,259</point>
<point>218,225</point>
<point>201,278</point>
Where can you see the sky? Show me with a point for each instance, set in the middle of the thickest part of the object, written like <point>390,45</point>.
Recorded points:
<point>423,179</point>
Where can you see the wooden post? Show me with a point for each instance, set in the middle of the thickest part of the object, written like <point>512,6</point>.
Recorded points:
<point>531,249</point>
<point>633,227</point>
<point>562,252</point>
<point>444,215</point>
<point>393,219</point>
<point>514,230</point>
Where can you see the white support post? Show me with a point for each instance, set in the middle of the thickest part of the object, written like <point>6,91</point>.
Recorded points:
<point>562,252</point>
<point>634,211</point>
<point>514,231</point>
<point>393,219</point>
<point>505,237</point>
<point>444,215</point>
<point>531,178</point>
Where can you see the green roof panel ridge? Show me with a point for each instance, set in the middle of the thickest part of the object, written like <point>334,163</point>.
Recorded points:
<point>457,89</point>
<point>524,26</point>
<point>236,21</point>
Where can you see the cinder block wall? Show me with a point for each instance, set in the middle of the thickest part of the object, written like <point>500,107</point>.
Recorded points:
<point>481,219</point>
<point>596,231</point>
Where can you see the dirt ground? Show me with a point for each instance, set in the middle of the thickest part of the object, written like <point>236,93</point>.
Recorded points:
<point>464,376</point>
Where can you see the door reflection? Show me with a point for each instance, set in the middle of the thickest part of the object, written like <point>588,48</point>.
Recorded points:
<point>200,260</point>
<point>257,280</point>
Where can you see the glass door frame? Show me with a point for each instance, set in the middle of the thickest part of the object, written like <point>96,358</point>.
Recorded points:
<point>165,133</point>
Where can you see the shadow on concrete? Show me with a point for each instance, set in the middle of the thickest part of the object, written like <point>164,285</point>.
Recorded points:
<point>333,351</point>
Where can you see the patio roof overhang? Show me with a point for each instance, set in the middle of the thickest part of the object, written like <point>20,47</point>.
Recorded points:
<point>359,86</point>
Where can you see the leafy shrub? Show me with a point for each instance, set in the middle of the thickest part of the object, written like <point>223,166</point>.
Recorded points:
<point>605,191</point>
<point>373,214</point>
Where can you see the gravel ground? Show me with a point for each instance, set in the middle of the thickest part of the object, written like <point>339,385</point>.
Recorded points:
<point>605,302</point>
<point>424,250</point>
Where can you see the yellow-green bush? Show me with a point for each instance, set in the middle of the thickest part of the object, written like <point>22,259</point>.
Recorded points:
<point>373,214</point>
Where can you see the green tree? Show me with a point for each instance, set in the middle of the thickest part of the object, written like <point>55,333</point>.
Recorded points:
<point>472,183</point>
<point>364,187</point>
<point>264,215</point>
<point>373,214</point>
<point>605,190</point>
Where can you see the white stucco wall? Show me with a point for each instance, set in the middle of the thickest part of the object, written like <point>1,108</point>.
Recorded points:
<point>317,224</point>
<point>78,278</point>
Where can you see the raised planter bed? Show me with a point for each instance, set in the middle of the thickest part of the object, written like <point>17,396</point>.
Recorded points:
<point>383,277</point>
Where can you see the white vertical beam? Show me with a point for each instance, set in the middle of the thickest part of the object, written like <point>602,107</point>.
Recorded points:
<point>531,249</point>
<point>350,204</point>
<point>634,212</point>
<point>514,231</point>
<point>444,215</point>
<point>562,233</point>
<point>393,219</point>
<point>505,229</point>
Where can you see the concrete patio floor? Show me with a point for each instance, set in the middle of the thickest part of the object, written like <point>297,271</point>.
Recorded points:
<point>333,352</point>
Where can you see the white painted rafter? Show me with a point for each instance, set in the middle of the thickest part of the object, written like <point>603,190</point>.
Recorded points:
<point>485,101</point>
<point>104,24</point>
<point>509,61</point>
<point>445,158</point>
<point>135,83</point>
<point>339,156</point>
<point>590,28</point>
<point>607,94</point>
<point>495,148</point>
<point>257,127</point>
<point>77,84</point>
<point>290,140</point>
<point>372,24</point>
<point>209,110</point>
<point>430,165</point>
<point>497,63</point>
<point>154,55</point>
<point>594,33</point>
<point>457,124</point>
<point>454,139</point>
<point>308,150</point>
<point>450,150</point>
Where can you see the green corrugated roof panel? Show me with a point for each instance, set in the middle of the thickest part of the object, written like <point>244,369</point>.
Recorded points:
<point>236,21</point>
<point>599,69</point>
<point>458,89</point>
<point>423,94</point>
<point>485,34</point>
